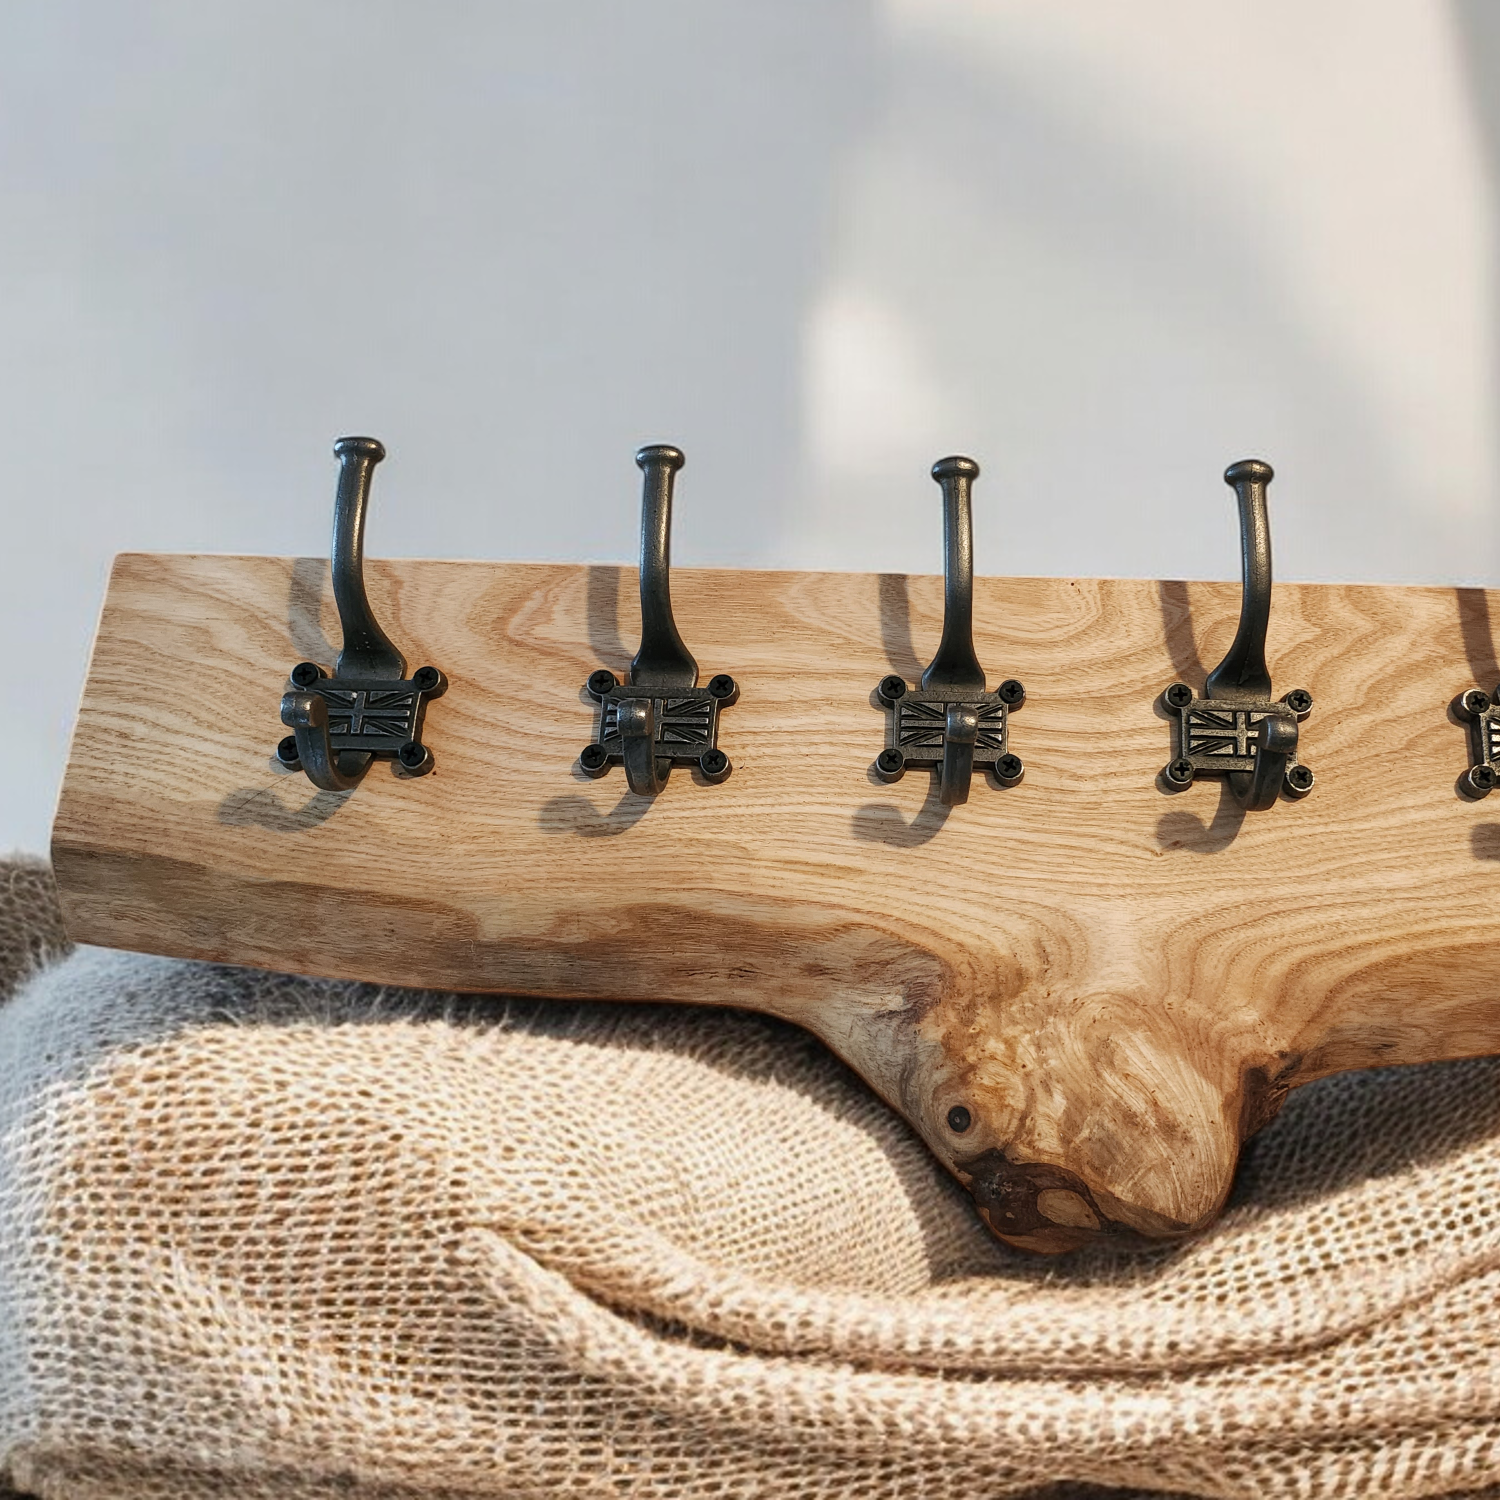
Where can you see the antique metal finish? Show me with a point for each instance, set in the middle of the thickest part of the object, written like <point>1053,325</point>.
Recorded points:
<point>1481,712</point>
<point>368,708</point>
<point>659,717</point>
<point>950,722</point>
<point>663,660</point>
<point>1236,730</point>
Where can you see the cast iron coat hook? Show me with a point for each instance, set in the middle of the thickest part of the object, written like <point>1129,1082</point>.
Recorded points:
<point>368,707</point>
<point>950,722</point>
<point>1236,730</point>
<point>659,717</point>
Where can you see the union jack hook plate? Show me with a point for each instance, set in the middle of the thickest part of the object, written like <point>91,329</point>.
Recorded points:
<point>950,730</point>
<point>650,729</point>
<point>1213,737</point>
<point>365,717</point>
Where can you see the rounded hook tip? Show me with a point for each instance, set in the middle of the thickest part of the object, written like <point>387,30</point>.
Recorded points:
<point>1255,470</point>
<point>364,447</point>
<point>957,464</point>
<point>660,453</point>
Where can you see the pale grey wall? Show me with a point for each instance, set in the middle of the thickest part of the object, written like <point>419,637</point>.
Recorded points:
<point>1103,248</point>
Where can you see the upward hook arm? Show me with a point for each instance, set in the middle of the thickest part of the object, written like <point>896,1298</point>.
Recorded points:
<point>1243,672</point>
<point>368,650</point>
<point>663,660</point>
<point>955,664</point>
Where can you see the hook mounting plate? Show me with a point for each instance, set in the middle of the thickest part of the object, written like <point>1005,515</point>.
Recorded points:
<point>648,731</point>
<point>1215,738</point>
<point>364,719</point>
<point>924,722</point>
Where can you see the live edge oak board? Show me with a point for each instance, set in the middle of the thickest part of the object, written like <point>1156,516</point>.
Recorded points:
<point>1117,981</point>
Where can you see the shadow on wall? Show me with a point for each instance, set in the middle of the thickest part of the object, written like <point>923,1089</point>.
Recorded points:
<point>1105,323</point>
<point>1477,23</point>
<point>1478,26</point>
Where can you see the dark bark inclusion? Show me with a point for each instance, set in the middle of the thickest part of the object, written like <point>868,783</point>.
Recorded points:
<point>1007,1193</point>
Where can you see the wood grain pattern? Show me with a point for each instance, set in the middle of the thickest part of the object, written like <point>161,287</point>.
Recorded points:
<point>1118,982</point>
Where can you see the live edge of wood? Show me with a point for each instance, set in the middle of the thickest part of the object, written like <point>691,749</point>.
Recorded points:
<point>1119,983</point>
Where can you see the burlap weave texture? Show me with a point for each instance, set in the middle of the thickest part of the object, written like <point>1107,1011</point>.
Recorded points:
<point>267,1236</point>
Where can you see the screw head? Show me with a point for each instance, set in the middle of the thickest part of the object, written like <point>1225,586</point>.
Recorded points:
<point>1009,770</point>
<point>959,1119</point>
<point>1179,695</point>
<point>602,682</point>
<point>415,758</point>
<point>1299,700</point>
<point>723,686</point>
<point>286,751</point>
<point>1299,780</point>
<point>594,760</point>
<point>1180,772</point>
<point>714,764</point>
<point>1010,692</point>
<point>428,680</point>
<point>1475,702</point>
<point>306,673</point>
<point>891,688</point>
<point>1481,780</point>
<point>890,765</point>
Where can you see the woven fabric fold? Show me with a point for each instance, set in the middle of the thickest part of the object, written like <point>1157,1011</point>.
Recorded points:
<point>276,1237</point>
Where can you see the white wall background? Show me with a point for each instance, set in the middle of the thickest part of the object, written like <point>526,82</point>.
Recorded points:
<point>1103,248</point>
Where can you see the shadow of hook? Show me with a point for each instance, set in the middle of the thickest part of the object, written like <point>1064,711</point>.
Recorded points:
<point>895,625</point>
<point>260,807</point>
<point>1478,636</point>
<point>1180,829</point>
<point>1177,627</point>
<point>884,823</point>
<point>576,814</point>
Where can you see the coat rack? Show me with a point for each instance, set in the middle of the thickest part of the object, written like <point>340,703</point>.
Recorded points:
<point>1084,993</point>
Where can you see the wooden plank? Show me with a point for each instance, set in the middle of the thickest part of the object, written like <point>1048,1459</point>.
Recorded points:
<point>1119,983</point>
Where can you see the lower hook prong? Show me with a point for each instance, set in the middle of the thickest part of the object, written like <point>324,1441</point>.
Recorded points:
<point>306,715</point>
<point>960,735</point>
<point>644,769</point>
<point>1275,745</point>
